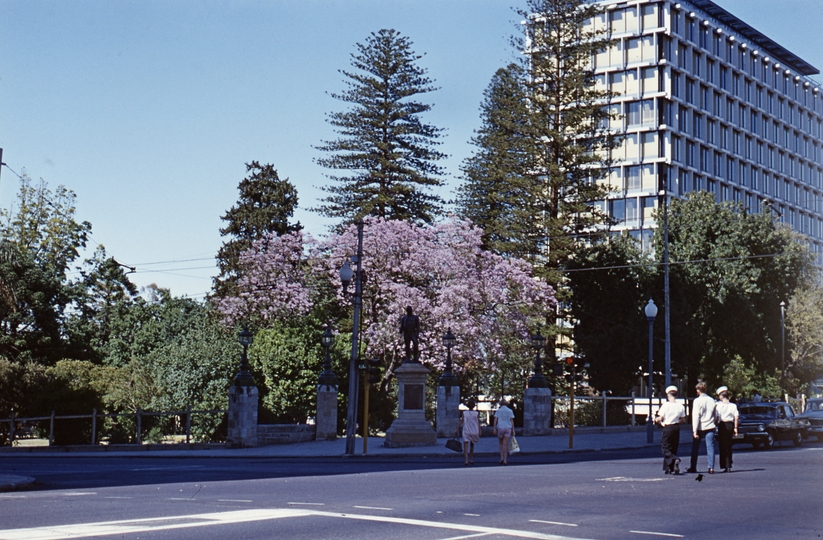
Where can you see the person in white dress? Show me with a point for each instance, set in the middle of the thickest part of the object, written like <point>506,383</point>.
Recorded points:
<point>470,422</point>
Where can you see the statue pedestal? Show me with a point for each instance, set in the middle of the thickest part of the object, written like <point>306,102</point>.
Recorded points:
<point>411,427</point>
<point>326,416</point>
<point>448,411</point>
<point>537,411</point>
<point>242,429</point>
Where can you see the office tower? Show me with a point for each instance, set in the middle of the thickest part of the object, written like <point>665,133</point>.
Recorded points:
<point>706,102</point>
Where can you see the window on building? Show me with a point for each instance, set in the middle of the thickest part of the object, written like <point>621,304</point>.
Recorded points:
<point>648,49</point>
<point>651,81</point>
<point>632,83</point>
<point>710,69</point>
<point>649,178</point>
<point>617,21</point>
<point>650,145</point>
<point>649,14</point>
<point>633,50</point>
<point>631,212</point>
<point>617,209</point>
<point>632,178</point>
<point>697,129</point>
<point>711,131</point>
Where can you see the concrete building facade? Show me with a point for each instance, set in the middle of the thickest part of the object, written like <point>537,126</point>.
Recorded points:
<point>707,102</point>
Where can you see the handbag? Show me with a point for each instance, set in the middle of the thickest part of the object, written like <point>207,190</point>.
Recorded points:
<point>513,446</point>
<point>454,444</point>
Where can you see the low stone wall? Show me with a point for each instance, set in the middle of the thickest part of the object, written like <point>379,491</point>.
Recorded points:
<point>268,434</point>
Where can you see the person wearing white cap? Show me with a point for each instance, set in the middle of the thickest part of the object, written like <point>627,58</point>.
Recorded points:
<point>670,415</point>
<point>727,417</point>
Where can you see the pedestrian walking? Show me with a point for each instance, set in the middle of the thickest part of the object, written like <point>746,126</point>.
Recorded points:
<point>504,429</point>
<point>470,423</point>
<point>727,417</point>
<point>704,410</point>
<point>670,415</point>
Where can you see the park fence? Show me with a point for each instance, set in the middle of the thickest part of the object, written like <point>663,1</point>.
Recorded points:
<point>176,428</point>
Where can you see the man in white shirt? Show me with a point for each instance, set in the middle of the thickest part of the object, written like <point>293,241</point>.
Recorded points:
<point>670,415</point>
<point>704,410</point>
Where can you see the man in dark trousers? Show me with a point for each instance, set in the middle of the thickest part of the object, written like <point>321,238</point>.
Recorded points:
<point>410,328</point>
<point>670,415</point>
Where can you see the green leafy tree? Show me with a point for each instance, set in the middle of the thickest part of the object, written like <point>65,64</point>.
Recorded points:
<point>104,294</point>
<point>609,286</point>
<point>39,239</point>
<point>804,331</point>
<point>386,147</point>
<point>287,359</point>
<point>729,271</point>
<point>266,205</point>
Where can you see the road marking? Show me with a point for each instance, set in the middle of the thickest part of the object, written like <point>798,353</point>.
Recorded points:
<point>627,479</point>
<point>307,503</point>
<point>118,497</point>
<point>472,515</point>
<point>234,500</point>
<point>478,535</point>
<point>658,534</point>
<point>442,525</point>
<point>372,508</point>
<point>169,468</point>
<point>78,493</point>
<point>12,496</point>
<point>123,527</point>
<point>554,522</point>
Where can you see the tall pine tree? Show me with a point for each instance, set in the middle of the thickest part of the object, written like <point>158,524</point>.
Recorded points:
<point>495,192</point>
<point>384,145</point>
<point>266,204</point>
<point>545,142</point>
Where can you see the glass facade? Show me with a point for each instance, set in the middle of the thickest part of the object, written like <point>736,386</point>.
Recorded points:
<point>703,107</point>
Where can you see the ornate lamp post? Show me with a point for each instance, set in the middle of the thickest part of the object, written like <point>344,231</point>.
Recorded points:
<point>328,377</point>
<point>651,313</point>
<point>538,380</point>
<point>448,378</point>
<point>244,378</point>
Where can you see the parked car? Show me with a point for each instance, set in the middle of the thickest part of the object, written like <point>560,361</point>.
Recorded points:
<point>814,415</point>
<point>766,423</point>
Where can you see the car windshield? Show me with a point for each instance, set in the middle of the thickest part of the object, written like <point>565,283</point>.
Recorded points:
<point>765,412</point>
<point>814,405</point>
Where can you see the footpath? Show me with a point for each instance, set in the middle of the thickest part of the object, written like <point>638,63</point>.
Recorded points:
<point>584,440</point>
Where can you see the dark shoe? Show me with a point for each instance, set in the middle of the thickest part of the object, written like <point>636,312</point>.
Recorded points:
<point>676,467</point>
<point>711,471</point>
<point>691,471</point>
<point>726,469</point>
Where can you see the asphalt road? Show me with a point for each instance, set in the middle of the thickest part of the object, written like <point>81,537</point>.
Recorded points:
<point>598,495</point>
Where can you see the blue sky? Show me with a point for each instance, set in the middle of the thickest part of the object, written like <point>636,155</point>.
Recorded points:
<point>149,109</point>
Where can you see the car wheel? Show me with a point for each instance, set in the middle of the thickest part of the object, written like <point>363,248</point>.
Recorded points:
<point>770,441</point>
<point>798,438</point>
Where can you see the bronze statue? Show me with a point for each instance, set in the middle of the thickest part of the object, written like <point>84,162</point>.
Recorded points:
<point>410,328</point>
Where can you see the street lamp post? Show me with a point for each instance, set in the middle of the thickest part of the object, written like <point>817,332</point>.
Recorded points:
<point>666,303</point>
<point>346,275</point>
<point>782,349</point>
<point>651,313</point>
<point>538,380</point>
<point>449,378</point>
<point>244,377</point>
<point>328,377</point>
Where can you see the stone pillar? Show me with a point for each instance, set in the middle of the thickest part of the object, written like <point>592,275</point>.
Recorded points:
<point>326,416</point>
<point>242,430</point>
<point>537,411</point>
<point>411,427</point>
<point>448,411</point>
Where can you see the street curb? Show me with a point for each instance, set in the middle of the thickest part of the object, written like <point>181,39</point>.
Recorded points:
<point>11,483</point>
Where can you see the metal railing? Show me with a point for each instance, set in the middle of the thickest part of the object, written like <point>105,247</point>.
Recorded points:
<point>25,425</point>
<point>604,410</point>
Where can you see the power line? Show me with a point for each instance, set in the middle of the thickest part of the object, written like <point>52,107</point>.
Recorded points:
<point>692,261</point>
